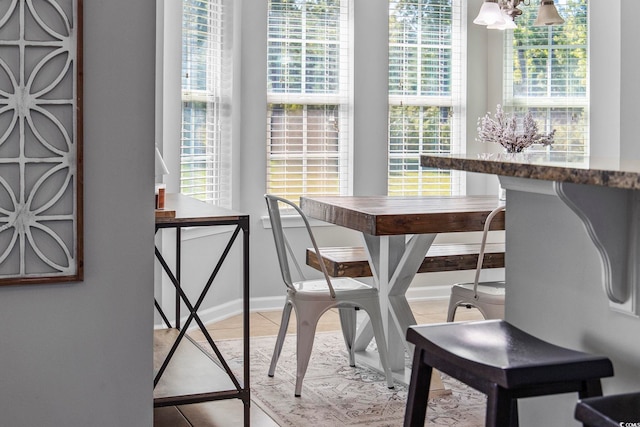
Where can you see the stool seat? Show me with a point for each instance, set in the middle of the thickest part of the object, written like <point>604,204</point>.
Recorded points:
<point>609,411</point>
<point>503,362</point>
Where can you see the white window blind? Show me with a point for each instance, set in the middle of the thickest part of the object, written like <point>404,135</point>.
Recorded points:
<point>205,159</point>
<point>426,94</point>
<point>547,72</point>
<point>308,98</point>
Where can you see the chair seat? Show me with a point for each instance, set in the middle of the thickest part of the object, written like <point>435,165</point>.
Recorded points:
<point>487,297</point>
<point>609,410</point>
<point>343,287</point>
<point>486,290</point>
<point>498,352</point>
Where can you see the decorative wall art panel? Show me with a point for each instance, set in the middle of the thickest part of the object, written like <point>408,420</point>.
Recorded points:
<point>40,141</point>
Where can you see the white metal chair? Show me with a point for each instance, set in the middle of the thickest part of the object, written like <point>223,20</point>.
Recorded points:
<point>312,298</point>
<point>487,297</point>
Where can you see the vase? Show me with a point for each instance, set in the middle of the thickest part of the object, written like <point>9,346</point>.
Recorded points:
<point>502,193</point>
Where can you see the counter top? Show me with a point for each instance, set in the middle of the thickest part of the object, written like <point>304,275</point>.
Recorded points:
<point>562,167</point>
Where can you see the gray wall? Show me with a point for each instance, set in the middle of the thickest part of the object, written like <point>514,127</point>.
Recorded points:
<point>555,292</point>
<point>79,354</point>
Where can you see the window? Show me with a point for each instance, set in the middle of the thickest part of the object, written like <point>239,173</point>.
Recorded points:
<point>205,164</point>
<point>308,98</point>
<point>425,94</point>
<point>308,138</point>
<point>547,72</point>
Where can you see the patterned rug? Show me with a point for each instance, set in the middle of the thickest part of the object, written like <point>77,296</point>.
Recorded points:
<point>335,394</point>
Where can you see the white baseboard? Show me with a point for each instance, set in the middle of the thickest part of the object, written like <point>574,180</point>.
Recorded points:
<point>212,314</point>
<point>233,308</point>
<point>424,293</point>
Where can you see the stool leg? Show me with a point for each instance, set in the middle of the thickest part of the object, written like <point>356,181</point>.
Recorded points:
<point>591,388</point>
<point>418,395</point>
<point>499,408</point>
<point>514,413</point>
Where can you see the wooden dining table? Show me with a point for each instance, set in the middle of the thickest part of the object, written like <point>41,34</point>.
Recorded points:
<point>397,232</point>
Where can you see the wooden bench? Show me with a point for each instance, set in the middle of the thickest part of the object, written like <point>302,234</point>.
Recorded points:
<point>352,261</point>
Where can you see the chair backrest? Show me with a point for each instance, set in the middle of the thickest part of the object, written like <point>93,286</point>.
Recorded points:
<point>283,248</point>
<point>485,232</point>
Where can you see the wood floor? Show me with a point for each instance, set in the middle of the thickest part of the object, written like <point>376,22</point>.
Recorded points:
<point>229,413</point>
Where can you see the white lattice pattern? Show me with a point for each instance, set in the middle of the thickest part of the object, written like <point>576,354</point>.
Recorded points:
<point>39,141</point>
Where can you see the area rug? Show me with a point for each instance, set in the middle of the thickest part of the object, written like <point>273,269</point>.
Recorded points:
<point>335,394</point>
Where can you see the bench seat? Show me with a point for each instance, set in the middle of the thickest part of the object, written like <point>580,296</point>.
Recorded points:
<point>352,261</point>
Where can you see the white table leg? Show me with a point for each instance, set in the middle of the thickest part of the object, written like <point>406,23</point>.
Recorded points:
<point>402,316</point>
<point>394,263</point>
<point>384,254</point>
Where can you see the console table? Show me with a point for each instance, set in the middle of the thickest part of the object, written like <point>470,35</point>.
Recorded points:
<point>184,373</point>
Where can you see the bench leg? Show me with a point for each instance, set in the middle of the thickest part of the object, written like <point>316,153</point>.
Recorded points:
<point>500,408</point>
<point>418,395</point>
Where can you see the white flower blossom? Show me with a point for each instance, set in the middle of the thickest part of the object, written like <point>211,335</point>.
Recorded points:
<point>503,130</point>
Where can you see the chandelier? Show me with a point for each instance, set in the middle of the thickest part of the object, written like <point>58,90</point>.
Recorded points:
<point>501,14</point>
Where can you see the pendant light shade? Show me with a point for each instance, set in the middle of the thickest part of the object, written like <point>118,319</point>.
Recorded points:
<point>489,14</point>
<point>501,14</point>
<point>509,23</point>
<point>548,14</point>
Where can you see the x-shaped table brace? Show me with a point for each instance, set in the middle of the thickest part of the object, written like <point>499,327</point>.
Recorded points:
<point>193,308</point>
<point>394,263</point>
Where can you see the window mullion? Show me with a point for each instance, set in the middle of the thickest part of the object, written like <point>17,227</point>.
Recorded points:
<point>305,151</point>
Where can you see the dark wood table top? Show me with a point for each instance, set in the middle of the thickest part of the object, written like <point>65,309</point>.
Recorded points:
<point>193,212</point>
<point>386,216</point>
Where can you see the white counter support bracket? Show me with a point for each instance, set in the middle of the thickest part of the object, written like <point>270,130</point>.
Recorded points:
<point>611,218</point>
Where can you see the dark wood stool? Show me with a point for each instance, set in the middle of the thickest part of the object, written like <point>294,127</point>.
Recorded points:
<point>609,411</point>
<point>500,360</point>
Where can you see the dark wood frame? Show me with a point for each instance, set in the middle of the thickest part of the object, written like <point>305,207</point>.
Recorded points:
<point>174,389</point>
<point>77,253</point>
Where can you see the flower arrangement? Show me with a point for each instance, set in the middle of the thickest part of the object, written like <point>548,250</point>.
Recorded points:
<point>503,130</point>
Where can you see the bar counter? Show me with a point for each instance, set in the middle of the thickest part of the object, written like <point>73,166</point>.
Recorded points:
<point>560,167</point>
<point>572,261</point>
